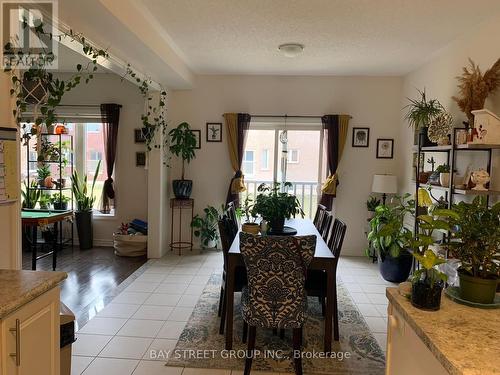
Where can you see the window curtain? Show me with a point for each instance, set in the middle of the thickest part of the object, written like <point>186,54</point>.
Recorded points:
<point>110,115</point>
<point>237,125</point>
<point>335,127</point>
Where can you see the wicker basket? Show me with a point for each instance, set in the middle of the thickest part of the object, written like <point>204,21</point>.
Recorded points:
<point>130,246</point>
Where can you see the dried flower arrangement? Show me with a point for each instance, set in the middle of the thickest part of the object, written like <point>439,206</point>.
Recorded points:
<point>474,87</point>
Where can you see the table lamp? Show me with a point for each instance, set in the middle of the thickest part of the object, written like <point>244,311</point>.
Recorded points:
<point>384,184</point>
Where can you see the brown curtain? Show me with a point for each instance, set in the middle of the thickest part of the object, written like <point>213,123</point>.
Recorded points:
<point>110,115</point>
<point>335,127</point>
<point>237,125</point>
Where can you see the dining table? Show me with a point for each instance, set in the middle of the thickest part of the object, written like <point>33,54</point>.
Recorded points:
<point>323,260</point>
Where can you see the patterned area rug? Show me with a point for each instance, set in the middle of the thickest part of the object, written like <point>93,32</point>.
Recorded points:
<point>200,344</point>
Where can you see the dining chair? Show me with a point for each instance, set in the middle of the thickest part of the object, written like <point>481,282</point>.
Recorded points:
<point>320,210</point>
<point>231,213</point>
<point>275,297</point>
<point>227,235</point>
<point>326,225</point>
<point>316,284</point>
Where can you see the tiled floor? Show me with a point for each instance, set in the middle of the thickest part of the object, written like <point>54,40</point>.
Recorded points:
<point>150,314</point>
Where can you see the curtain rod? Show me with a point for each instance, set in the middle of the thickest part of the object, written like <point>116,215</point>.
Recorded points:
<point>288,116</point>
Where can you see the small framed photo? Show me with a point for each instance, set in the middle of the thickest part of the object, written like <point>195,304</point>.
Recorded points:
<point>385,148</point>
<point>214,132</point>
<point>360,137</point>
<point>139,136</point>
<point>197,134</point>
<point>140,159</point>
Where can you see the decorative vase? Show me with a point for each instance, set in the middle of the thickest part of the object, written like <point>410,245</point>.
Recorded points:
<point>395,269</point>
<point>84,228</point>
<point>426,297</point>
<point>476,289</point>
<point>182,188</point>
<point>444,179</point>
<point>252,228</point>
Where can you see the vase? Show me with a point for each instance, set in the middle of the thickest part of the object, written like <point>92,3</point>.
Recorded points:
<point>84,228</point>
<point>182,188</point>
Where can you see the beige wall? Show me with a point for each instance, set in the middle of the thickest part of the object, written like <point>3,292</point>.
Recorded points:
<point>372,101</point>
<point>438,78</point>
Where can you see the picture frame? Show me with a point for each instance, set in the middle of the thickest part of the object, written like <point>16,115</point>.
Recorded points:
<point>214,132</point>
<point>360,137</point>
<point>197,134</point>
<point>140,159</point>
<point>139,136</point>
<point>385,148</point>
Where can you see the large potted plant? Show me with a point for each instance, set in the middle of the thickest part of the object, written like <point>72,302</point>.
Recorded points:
<point>84,204</point>
<point>275,204</point>
<point>389,237</point>
<point>183,144</point>
<point>420,113</point>
<point>477,246</point>
<point>206,227</point>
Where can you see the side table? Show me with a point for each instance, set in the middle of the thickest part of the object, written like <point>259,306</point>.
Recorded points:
<point>180,205</point>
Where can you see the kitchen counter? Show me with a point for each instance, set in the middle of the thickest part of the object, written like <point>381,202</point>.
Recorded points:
<point>18,288</point>
<point>463,339</point>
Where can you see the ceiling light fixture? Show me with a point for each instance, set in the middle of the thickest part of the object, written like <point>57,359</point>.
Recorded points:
<point>291,49</point>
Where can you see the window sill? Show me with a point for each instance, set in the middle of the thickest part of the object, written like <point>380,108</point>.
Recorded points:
<point>99,215</point>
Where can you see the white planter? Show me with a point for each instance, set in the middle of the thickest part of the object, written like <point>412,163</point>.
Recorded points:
<point>211,244</point>
<point>444,179</point>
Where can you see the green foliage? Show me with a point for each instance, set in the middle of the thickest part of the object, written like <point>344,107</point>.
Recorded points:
<point>372,203</point>
<point>443,168</point>
<point>43,172</point>
<point>274,202</point>
<point>84,199</point>
<point>206,226</point>
<point>388,234</point>
<point>477,235</point>
<point>247,210</point>
<point>44,201</point>
<point>58,197</point>
<point>421,111</point>
<point>183,143</point>
<point>30,195</point>
<point>48,151</point>
<point>428,271</point>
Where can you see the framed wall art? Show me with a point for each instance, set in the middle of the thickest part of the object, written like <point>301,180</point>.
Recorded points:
<point>385,148</point>
<point>360,137</point>
<point>214,132</point>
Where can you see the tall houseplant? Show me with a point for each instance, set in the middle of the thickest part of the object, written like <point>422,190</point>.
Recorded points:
<point>84,204</point>
<point>477,246</point>
<point>182,144</point>
<point>275,204</point>
<point>206,227</point>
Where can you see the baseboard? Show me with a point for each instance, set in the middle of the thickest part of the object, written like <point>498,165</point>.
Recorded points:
<point>97,242</point>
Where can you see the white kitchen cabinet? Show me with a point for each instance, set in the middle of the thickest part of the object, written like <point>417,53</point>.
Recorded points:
<point>30,337</point>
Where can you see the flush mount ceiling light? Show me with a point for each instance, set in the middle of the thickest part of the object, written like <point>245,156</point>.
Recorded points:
<point>291,49</point>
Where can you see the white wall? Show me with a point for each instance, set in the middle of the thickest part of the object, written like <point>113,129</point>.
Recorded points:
<point>130,181</point>
<point>438,78</point>
<point>371,101</point>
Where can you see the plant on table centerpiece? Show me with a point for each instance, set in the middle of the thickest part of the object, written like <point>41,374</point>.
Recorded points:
<point>59,201</point>
<point>371,204</point>
<point>84,204</point>
<point>275,204</point>
<point>183,144</point>
<point>206,227</point>
<point>420,113</point>
<point>30,195</point>
<point>249,226</point>
<point>477,246</point>
<point>389,236</point>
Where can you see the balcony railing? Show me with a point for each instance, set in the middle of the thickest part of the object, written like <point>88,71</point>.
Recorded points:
<point>305,191</point>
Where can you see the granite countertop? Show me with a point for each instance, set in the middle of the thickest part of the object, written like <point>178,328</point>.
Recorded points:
<point>465,340</point>
<point>17,288</point>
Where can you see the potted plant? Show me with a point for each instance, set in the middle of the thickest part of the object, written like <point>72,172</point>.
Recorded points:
<point>84,205</point>
<point>59,201</point>
<point>30,195</point>
<point>371,204</point>
<point>44,201</point>
<point>206,227</point>
<point>427,282</point>
<point>183,144</point>
<point>44,173</point>
<point>275,205</point>
<point>477,246</point>
<point>420,113</point>
<point>249,226</point>
<point>444,174</point>
<point>389,236</point>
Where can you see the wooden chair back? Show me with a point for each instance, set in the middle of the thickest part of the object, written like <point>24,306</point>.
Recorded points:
<point>318,217</point>
<point>336,239</point>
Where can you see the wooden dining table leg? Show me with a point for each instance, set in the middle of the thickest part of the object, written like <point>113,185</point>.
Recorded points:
<point>231,266</point>
<point>329,309</point>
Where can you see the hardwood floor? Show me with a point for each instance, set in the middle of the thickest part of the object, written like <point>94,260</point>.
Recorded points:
<point>93,277</point>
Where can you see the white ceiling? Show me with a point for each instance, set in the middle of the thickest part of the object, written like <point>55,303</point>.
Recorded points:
<point>341,37</point>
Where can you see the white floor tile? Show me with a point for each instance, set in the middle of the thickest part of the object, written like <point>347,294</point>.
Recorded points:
<point>156,368</point>
<point>376,325</point>
<point>153,312</point>
<point>200,280</point>
<point>195,290</point>
<point>152,277</point>
<point>382,309</point>
<point>103,326</point>
<point>134,298</point>
<point>159,269</point>
<point>188,301</point>
<point>353,287</point>
<point>171,330</point>
<point>89,345</point>
<point>179,270</point>
<point>178,279</point>
<point>163,299</point>
<point>118,310</point>
<point>379,299</point>
<point>79,364</point>
<point>139,286</point>
<point>374,288</point>
<point>359,297</point>
<point>382,340</point>
<point>111,366</point>
<point>177,288</point>
<point>367,309</point>
<point>141,328</point>
<point>180,314</point>
<point>126,347</point>
<point>160,349</point>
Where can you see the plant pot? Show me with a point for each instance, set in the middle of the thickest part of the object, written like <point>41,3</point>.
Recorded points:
<point>444,179</point>
<point>61,182</point>
<point>476,289</point>
<point>252,228</point>
<point>84,228</point>
<point>277,224</point>
<point>60,206</point>
<point>211,244</point>
<point>182,188</point>
<point>425,297</point>
<point>395,270</point>
<point>424,138</point>
<point>423,177</point>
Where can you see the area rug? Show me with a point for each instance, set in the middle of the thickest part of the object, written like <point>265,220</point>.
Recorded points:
<point>201,345</point>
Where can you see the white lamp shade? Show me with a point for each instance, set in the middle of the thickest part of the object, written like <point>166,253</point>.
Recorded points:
<point>385,184</point>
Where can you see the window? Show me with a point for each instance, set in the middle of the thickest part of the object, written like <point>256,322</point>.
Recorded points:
<point>264,160</point>
<point>293,156</point>
<point>248,163</point>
